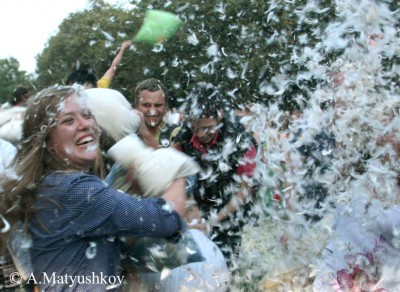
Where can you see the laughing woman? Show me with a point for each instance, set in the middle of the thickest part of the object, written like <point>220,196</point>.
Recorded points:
<point>77,223</point>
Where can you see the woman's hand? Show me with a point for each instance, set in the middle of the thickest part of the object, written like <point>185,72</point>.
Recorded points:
<point>131,179</point>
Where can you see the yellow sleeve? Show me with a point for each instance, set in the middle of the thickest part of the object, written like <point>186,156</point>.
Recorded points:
<point>103,83</point>
<point>174,133</point>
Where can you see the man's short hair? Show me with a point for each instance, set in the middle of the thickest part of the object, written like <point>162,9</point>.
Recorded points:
<point>151,85</point>
<point>83,74</point>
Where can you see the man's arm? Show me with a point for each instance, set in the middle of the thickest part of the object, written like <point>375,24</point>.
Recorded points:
<point>237,202</point>
<point>245,191</point>
<point>110,73</point>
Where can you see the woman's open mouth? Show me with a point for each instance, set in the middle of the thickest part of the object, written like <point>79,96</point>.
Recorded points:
<point>85,140</point>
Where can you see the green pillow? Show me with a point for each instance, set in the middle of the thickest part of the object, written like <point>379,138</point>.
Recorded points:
<point>157,27</point>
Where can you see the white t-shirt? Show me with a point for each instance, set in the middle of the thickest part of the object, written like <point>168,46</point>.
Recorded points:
<point>11,121</point>
<point>7,154</point>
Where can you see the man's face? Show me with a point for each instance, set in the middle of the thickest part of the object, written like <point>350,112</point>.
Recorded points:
<point>205,129</point>
<point>153,106</point>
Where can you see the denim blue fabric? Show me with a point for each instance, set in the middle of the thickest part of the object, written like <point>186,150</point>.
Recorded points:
<point>155,254</point>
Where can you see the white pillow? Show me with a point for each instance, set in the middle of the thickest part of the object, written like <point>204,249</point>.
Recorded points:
<point>113,112</point>
<point>154,169</point>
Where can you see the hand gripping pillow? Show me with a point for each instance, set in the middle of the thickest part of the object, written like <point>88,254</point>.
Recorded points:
<point>154,169</point>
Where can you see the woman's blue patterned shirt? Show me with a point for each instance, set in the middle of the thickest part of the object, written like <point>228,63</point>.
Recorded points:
<point>78,229</point>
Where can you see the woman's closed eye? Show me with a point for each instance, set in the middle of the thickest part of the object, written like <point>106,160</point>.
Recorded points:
<point>67,121</point>
<point>87,115</point>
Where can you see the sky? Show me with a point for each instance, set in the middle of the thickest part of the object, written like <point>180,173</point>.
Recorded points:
<point>27,25</point>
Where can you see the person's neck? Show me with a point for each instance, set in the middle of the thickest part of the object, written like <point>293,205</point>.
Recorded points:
<point>155,130</point>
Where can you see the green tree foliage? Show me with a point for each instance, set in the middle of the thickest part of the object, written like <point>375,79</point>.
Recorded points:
<point>11,77</point>
<point>241,46</point>
<point>246,47</point>
<point>92,36</point>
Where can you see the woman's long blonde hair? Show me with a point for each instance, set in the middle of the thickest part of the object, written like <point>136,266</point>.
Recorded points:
<point>34,158</point>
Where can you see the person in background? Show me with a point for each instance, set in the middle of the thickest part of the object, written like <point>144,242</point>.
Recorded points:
<point>85,75</point>
<point>174,117</point>
<point>226,153</point>
<point>19,97</point>
<point>75,221</point>
<point>12,116</point>
<point>151,101</point>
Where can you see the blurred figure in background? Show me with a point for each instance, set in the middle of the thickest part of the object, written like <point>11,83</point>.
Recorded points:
<point>224,190</point>
<point>11,117</point>
<point>85,75</point>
